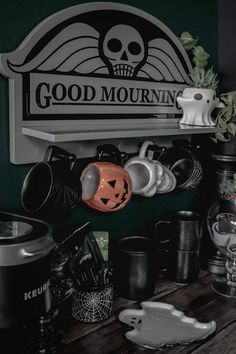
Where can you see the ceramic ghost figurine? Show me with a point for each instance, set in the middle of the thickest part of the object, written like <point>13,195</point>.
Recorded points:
<point>158,324</point>
<point>197,105</point>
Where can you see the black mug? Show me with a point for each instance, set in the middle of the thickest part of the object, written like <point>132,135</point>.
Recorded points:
<point>180,159</point>
<point>179,239</point>
<point>51,188</point>
<point>181,230</point>
<point>135,268</point>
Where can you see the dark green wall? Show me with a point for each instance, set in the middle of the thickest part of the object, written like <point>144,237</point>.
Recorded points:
<point>17,19</point>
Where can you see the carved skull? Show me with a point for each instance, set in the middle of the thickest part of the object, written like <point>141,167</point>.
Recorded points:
<point>124,49</point>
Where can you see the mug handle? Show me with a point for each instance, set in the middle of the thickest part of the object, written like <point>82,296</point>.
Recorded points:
<point>155,151</point>
<point>111,151</point>
<point>164,255</point>
<point>54,151</point>
<point>163,249</point>
<point>163,242</point>
<point>143,149</point>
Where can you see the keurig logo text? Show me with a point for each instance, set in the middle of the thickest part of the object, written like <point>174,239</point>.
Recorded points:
<point>31,294</point>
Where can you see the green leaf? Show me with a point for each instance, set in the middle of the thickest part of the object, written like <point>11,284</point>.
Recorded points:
<point>200,77</point>
<point>219,115</point>
<point>189,45</point>
<point>186,35</point>
<point>200,53</point>
<point>228,111</point>
<point>200,63</point>
<point>221,137</point>
<point>225,113</point>
<point>222,124</point>
<point>188,41</point>
<point>229,98</point>
<point>210,74</point>
<point>204,79</point>
<point>231,127</point>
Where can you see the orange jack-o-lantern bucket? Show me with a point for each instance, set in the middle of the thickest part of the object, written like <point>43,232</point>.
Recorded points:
<point>105,186</point>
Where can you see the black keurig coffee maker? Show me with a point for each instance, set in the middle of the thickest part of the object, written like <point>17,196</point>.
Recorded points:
<point>25,247</point>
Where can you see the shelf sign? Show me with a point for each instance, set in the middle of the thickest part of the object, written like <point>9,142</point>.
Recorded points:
<point>97,59</point>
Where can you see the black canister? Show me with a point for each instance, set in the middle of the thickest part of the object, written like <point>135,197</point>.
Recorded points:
<point>25,246</point>
<point>179,240</point>
<point>184,266</point>
<point>135,267</point>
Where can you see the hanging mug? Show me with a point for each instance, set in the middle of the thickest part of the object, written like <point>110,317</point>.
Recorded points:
<point>146,174</point>
<point>106,186</point>
<point>168,183</point>
<point>182,163</point>
<point>168,180</point>
<point>51,187</point>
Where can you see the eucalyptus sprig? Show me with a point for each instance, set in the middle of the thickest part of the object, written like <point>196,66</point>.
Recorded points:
<point>224,117</point>
<point>201,77</point>
<point>188,41</point>
<point>200,56</point>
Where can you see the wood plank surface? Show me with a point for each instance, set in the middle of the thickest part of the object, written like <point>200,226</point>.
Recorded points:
<point>195,300</point>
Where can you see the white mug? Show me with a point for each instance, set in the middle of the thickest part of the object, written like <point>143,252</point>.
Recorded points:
<point>146,174</point>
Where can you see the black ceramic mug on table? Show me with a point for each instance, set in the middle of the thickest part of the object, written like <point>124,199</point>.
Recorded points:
<point>51,187</point>
<point>179,239</point>
<point>135,267</point>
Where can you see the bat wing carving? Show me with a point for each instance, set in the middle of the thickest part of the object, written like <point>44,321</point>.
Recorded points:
<point>74,49</point>
<point>163,64</point>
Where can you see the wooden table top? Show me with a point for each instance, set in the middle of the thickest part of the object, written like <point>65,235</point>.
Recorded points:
<point>196,300</point>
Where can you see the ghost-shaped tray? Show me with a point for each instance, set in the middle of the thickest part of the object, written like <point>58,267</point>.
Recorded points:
<point>159,324</point>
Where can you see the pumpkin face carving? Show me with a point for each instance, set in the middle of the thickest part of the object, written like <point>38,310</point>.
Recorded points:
<point>105,186</point>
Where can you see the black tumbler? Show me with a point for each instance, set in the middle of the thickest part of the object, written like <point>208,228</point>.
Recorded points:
<point>179,239</point>
<point>135,268</point>
<point>184,266</point>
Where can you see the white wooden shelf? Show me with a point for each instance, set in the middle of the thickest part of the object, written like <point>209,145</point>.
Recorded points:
<point>82,137</point>
<point>116,129</point>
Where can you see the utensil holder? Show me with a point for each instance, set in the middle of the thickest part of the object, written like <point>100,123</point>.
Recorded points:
<point>95,305</point>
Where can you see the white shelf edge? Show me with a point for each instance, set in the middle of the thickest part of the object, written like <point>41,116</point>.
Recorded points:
<point>57,135</point>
